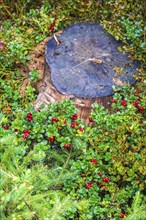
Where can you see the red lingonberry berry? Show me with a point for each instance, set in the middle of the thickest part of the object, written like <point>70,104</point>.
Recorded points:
<point>15,130</point>
<point>88,185</point>
<point>138,182</point>
<point>99,174</point>
<point>80,129</point>
<point>140,108</point>
<point>74,117</point>
<point>135,103</point>
<point>67,146</point>
<point>106,179</point>
<point>113,100</point>
<point>25,134</point>
<point>73,124</point>
<point>6,127</point>
<point>55,120</point>
<point>123,102</point>
<point>122,215</point>
<point>51,139</point>
<point>101,185</point>
<point>29,116</point>
<point>52,27</point>
<point>90,119</point>
<point>136,92</point>
<point>93,160</point>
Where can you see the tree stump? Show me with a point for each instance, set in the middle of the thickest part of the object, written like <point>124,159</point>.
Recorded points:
<point>83,63</point>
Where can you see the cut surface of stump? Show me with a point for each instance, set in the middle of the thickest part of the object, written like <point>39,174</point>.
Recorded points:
<point>83,63</point>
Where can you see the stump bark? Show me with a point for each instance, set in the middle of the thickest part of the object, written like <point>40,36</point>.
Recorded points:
<point>83,63</point>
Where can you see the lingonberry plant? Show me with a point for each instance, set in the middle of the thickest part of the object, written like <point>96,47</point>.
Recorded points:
<point>52,165</point>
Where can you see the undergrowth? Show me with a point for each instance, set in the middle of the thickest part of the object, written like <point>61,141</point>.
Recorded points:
<point>52,165</point>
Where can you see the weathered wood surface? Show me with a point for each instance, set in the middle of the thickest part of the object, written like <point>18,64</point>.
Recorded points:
<point>85,71</point>
<point>85,61</point>
<point>49,94</point>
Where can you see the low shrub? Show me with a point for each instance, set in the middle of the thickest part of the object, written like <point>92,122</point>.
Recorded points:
<point>99,168</point>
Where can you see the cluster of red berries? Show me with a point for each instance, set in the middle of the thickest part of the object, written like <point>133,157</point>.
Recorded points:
<point>67,146</point>
<point>74,117</point>
<point>74,124</point>
<point>140,108</point>
<point>123,102</point>
<point>93,160</point>
<point>6,127</point>
<point>25,134</point>
<point>29,117</point>
<point>106,179</point>
<point>122,215</point>
<point>135,104</point>
<point>55,120</point>
<point>51,139</point>
<point>88,185</point>
<point>136,92</point>
<point>52,27</point>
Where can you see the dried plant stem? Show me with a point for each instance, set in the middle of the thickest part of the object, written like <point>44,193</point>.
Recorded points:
<point>94,60</point>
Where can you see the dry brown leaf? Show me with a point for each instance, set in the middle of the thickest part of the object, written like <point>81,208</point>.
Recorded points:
<point>96,61</point>
<point>119,82</point>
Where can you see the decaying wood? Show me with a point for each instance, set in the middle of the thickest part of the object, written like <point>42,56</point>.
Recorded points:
<point>95,80</point>
<point>49,94</point>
